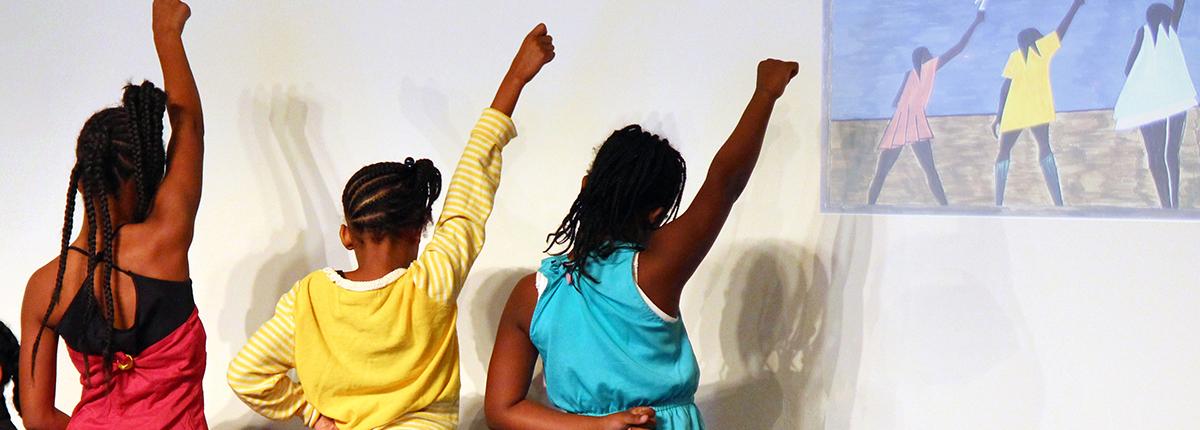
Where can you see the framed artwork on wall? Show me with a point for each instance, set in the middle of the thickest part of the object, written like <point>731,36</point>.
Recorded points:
<point>1013,107</point>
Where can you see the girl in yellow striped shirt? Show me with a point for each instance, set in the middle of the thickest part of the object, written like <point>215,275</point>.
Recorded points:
<point>377,348</point>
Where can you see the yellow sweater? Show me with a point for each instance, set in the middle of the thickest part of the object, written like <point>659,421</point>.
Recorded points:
<point>382,354</point>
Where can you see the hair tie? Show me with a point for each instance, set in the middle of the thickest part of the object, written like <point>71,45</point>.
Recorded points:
<point>409,162</point>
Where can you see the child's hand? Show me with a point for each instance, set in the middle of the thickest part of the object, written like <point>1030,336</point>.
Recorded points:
<point>774,75</point>
<point>324,423</point>
<point>169,16</point>
<point>535,52</point>
<point>639,418</point>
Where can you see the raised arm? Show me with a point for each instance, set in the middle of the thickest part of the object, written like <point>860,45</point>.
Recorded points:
<point>459,233</point>
<point>511,369</point>
<point>536,50</point>
<point>1137,48</point>
<point>1000,112</point>
<point>1175,19</point>
<point>1066,22</point>
<point>962,43</point>
<point>178,199</point>
<point>677,248</point>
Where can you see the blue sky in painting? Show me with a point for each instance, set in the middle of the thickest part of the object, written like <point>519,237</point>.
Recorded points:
<point>873,41</point>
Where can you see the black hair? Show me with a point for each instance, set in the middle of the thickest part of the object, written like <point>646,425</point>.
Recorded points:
<point>10,353</point>
<point>1159,15</point>
<point>1027,39</point>
<point>116,145</point>
<point>389,198</point>
<point>920,56</point>
<point>634,173</point>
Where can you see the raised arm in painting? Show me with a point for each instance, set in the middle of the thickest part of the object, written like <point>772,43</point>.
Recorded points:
<point>1066,21</point>
<point>962,43</point>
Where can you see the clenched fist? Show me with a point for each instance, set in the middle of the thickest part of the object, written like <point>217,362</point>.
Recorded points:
<point>774,75</point>
<point>169,16</point>
<point>536,50</point>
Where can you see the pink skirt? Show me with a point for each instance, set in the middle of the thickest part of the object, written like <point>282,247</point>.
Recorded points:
<point>908,126</point>
<point>160,389</point>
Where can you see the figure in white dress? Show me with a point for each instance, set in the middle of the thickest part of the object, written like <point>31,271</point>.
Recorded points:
<point>1157,95</point>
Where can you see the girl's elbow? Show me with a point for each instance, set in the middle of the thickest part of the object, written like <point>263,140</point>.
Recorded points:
<point>497,415</point>
<point>36,419</point>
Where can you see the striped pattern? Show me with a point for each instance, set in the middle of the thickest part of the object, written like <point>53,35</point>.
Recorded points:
<point>458,236</point>
<point>259,372</point>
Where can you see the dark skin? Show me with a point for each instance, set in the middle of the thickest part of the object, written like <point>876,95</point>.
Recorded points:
<point>1172,19</point>
<point>1063,26</point>
<point>670,258</point>
<point>379,255</point>
<point>157,247</point>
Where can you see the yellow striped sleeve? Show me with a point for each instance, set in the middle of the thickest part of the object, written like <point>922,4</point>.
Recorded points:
<point>259,372</point>
<point>459,234</point>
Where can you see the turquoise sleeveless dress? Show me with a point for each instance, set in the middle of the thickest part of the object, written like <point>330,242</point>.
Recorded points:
<point>606,350</point>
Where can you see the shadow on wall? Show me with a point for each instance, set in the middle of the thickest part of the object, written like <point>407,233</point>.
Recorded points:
<point>481,307</point>
<point>788,337</point>
<point>284,154</point>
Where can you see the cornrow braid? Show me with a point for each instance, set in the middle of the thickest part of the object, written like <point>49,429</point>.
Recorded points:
<point>390,198</point>
<point>634,174</point>
<point>146,105</point>
<point>55,296</point>
<point>115,145</point>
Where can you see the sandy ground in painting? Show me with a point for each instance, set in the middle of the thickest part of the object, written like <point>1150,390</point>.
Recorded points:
<point>1103,172</point>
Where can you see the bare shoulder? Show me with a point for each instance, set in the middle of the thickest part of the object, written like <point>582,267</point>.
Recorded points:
<point>40,288</point>
<point>522,301</point>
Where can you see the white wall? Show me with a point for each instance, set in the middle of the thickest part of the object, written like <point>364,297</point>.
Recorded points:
<point>800,320</point>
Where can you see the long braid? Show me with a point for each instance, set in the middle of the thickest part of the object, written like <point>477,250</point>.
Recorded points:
<point>146,105</point>
<point>108,258</point>
<point>91,194</point>
<point>634,174</point>
<point>68,226</point>
<point>115,145</point>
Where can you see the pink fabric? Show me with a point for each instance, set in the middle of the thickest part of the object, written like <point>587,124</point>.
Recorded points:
<point>909,123</point>
<point>161,390</point>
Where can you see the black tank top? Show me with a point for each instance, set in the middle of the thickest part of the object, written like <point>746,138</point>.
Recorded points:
<point>162,306</point>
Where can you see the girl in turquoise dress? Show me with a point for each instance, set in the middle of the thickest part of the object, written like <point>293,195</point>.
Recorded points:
<point>603,312</point>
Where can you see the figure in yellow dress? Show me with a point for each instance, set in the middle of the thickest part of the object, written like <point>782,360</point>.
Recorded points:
<point>1027,103</point>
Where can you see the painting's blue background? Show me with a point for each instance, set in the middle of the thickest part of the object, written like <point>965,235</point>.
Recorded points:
<point>873,41</point>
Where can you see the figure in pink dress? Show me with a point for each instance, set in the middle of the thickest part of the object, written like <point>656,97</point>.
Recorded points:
<point>909,125</point>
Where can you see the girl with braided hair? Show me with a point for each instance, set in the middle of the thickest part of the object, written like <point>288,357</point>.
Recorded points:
<point>119,294</point>
<point>377,347</point>
<point>603,312</point>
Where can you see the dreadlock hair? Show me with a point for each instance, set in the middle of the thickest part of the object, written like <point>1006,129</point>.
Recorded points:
<point>388,199</point>
<point>116,144</point>
<point>634,173</point>
<point>10,352</point>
